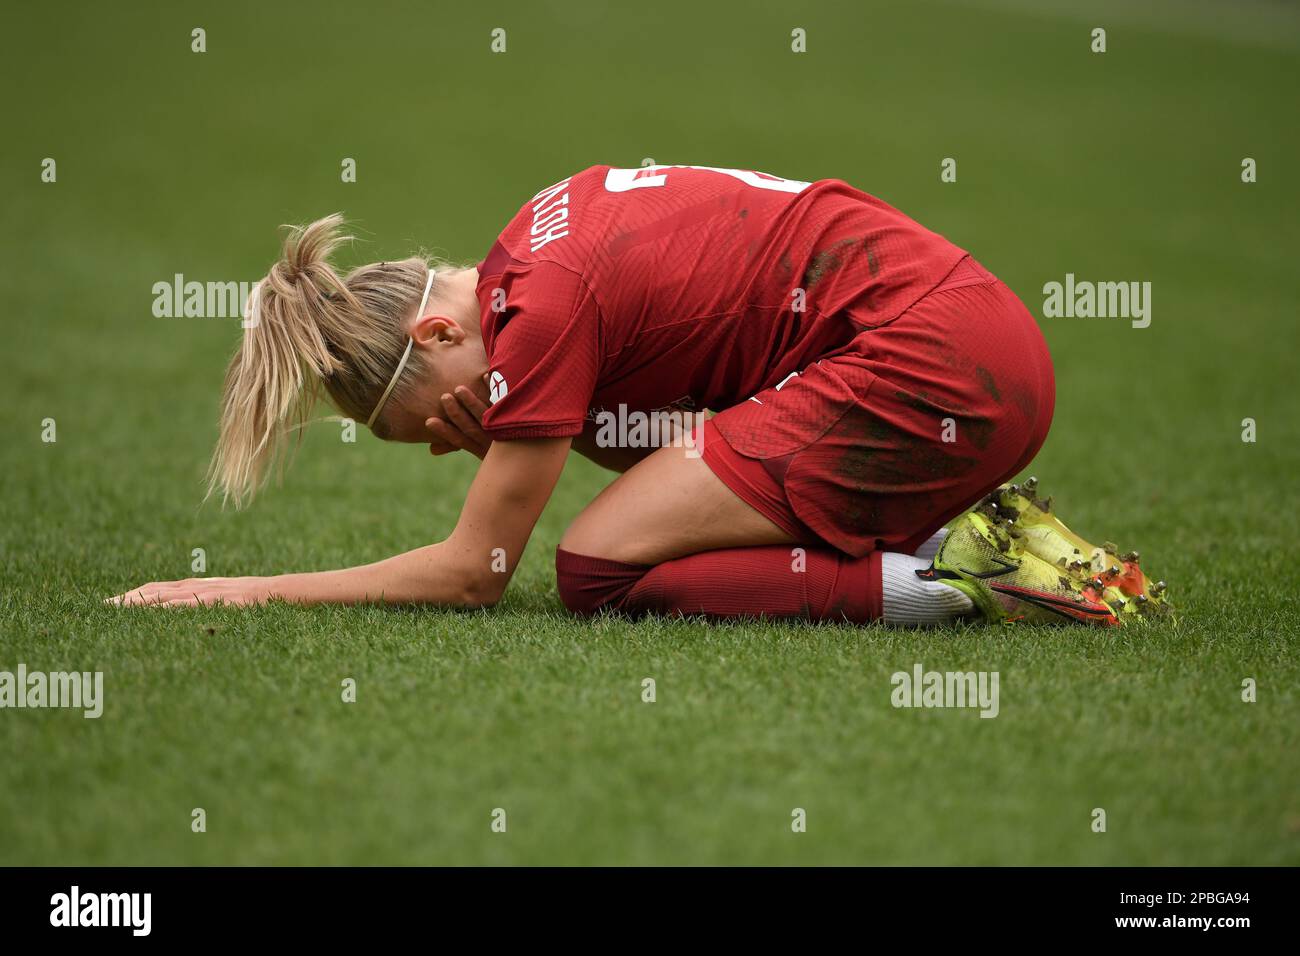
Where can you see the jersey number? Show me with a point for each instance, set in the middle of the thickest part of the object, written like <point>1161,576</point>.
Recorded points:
<point>623,180</point>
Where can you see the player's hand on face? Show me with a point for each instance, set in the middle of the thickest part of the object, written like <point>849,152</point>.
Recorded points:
<point>459,426</point>
<point>194,592</point>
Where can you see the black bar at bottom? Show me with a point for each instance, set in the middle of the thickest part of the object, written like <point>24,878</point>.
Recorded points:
<point>657,907</point>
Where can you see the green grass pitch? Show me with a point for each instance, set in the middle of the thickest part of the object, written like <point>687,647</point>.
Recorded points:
<point>1123,165</point>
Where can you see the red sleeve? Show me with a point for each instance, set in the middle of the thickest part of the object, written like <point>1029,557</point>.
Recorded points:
<point>544,355</point>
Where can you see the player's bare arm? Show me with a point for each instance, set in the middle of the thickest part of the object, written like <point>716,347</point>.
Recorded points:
<point>471,568</point>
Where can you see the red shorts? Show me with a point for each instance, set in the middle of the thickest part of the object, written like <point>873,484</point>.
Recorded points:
<point>876,445</point>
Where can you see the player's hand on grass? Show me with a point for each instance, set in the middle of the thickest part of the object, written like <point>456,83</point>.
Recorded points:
<point>197,591</point>
<point>458,428</point>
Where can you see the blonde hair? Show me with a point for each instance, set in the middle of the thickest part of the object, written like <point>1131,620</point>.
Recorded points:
<point>309,327</point>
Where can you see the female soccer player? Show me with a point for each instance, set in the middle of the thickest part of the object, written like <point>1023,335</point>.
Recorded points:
<point>871,382</point>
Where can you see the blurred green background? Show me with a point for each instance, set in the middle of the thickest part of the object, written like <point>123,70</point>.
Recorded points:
<point>1116,166</point>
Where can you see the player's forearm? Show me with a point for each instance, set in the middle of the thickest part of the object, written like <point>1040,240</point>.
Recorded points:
<point>436,574</point>
<point>470,569</point>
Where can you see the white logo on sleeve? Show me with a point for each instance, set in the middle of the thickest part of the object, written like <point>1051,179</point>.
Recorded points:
<point>496,387</point>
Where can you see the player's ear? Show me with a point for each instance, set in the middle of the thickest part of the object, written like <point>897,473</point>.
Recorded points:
<point>433,329</point>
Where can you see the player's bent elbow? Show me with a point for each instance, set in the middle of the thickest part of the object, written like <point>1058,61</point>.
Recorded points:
<point>482,592</point>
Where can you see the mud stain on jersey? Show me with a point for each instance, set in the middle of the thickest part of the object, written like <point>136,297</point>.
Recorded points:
<point>1026,402</point>
<point>988,384</point>
<point>893,470</point>
<point>785,266</point>
<point>828,260</point>
<point>976,429</point>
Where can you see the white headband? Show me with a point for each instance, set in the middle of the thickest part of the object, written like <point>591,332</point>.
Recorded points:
<point>410,342</point>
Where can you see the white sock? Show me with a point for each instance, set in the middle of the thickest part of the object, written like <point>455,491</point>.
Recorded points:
<point>907,599</point>
<point>931,545</point>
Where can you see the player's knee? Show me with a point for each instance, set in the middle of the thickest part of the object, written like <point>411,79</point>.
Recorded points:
<point>587,585</point>
<point>570,582</point>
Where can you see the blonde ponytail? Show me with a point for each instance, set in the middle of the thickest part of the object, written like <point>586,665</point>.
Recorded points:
<point>309,327</point>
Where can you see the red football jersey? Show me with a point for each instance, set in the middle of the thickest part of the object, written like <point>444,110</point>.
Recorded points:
<point>684,286</point>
